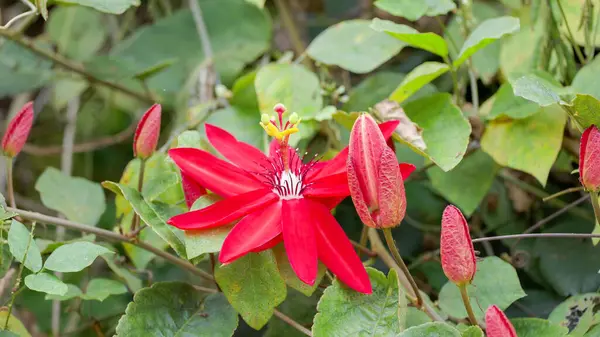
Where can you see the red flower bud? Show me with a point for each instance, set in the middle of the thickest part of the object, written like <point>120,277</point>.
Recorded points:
<point>374,176</point>
<point>456,249</point>
<point>497,324</point>
<point>589,159</point>
<point>147,132</point>
<point>191,189</point>
<point>18,131</point>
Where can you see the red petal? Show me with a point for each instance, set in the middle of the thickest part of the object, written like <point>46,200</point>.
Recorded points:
<point>406,170</point>
<point>365,149</point>
<point>147,132</point>
<point>191,190</point>
<point>336,165</point>
<point>299,238</point>
<point>253,231</point>
<point>330,203</point>
<point>213,173</point>
<point>331,186</point>
<point>358,198</point>
<point>390,191</point>
<point>274,242</point>
<point>456,249</point>
<point>497,324</point>
<point>387,128</point>
<point>336,251</point>
<point>224,211</point>
<point>589,159</point>
<point>239,153</point>
<point>18,131</point>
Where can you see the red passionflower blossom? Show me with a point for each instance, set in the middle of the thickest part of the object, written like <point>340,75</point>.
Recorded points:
<point>589,159</point>
<point>497,324</point>
<point>17,131</point>
<point>456,248</point>
<point>276,197</point>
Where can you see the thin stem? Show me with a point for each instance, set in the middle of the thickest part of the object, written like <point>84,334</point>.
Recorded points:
<point>474,88</point>
<point>292,323</point>
<point>9,182</point>
<point>467,302</point>
<point>69,65</point>
<point>112,236</point>
<point>454,79</point>
<point>363,249</point>
<point>571,37</point>
<point>18,282</point>
<point>538,235</point>
<point>594,199</point>
<point>136,218</point>
<point>363,240</point>
<point>203,34</point>
<point>563,192</point>
<point>290,26</point>
<point>213,265</point>
<point>389,239</point>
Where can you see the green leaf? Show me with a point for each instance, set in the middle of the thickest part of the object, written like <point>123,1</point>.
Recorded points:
<point>495,282</point>
<point>530,144</point>
<point>177,309</point>
<point>300,308</point>
<point>78,32</point>
<point>290,84</point>
<point>445,130</point>
<point>78,199</point>
<point>378,87</point>
<point>536,327</point>
<point>289,276</point>
<point>414,10</point>
<point>573,14</point>
<point>14,325</point>
<point>430,42</point>
<point>354,46</point>
<point>239,32</point>
<point>486,33</point>
<point>46,283</point>
<point>536,90</point>
<point>436,329</point>
<point>345,312</point>
<point>198,242</point>
<point>507,104</point>
<point>152,215</point>
<point>253,286</point>
<point>472,331</point>
<point>154,69</point>
<point>72,292</point>
<point>26,70</point>
<point>100,288</point>
<point>417,78</point>
<point>132,281</point>
<point>587,110</point>
<point>18,239</point>
<point>74,256</point>
<point>468,183</point>
<point>107,6</point>
<point>577,313</point>
<point>586,79</point>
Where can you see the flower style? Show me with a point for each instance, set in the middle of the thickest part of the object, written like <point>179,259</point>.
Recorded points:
<point>375,178</point>
<point>18,131</point>
<point>589,159</point>
<point>276,197</point>
<point>147,132</point>
<point>456,249</point>
<point>497,324</point>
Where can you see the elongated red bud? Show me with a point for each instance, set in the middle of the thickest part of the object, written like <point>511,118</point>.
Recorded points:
<point>497,324</point>
<point>191,190</point>
<point>18,131</point>
<point>374,176</point>
<point>456,249</point>
<point>589,159</point>
<point>147,132</point>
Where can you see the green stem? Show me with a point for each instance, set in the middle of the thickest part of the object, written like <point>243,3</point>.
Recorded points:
<point>594,199</point>
<point>363,240</point>
<point>9,182</point>
<point>289,24</point>
<point>18,283</point>
<point>571,37</point>
<point>465,298</point>
<point>389,239</point>
<point>454,79</point>
<point>136,218</point>
<point>563,192</point>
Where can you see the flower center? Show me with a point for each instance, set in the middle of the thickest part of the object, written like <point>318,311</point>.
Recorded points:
<point>290,186</point>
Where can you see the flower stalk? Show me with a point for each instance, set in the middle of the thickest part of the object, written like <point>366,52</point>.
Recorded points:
<point>9,182</point>
<point>595,205</point>
<point>389,239</point>
<point>464,294</point>
<point>16,290</point>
